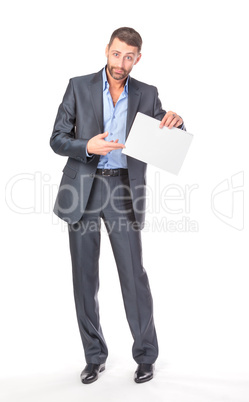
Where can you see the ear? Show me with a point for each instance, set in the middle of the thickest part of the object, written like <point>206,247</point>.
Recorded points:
<point>138,58</point>
<point>106,50</point>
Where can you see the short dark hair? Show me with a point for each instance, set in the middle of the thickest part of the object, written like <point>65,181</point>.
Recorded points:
<point>127,35</point>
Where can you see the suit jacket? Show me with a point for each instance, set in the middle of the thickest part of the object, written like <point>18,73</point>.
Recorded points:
<point>80,117</point>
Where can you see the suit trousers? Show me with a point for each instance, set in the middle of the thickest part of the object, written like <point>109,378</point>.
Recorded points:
<point>110,200</point>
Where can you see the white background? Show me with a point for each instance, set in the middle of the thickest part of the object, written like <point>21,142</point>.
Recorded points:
<point>196,53</point>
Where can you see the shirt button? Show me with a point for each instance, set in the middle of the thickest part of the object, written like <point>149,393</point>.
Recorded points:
<point>111,133</point>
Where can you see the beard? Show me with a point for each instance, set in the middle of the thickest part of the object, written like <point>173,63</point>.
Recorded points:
<point>117,76</point>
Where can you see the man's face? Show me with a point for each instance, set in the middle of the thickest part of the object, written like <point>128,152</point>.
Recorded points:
<point>121,58</point>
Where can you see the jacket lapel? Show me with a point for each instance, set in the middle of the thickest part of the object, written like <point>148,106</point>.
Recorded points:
<point>96,91</point>
<point>134,96</point>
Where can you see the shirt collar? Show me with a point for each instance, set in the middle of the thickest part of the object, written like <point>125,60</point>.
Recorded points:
<point>106,83</point>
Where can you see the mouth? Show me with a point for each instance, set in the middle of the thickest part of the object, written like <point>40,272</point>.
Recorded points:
<point>118,72</point>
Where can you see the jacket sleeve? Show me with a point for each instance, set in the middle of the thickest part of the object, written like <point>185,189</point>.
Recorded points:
<point>159,112</point>
<point>63,141</point>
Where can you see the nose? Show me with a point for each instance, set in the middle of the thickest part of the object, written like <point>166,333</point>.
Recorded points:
<point>120,63</point>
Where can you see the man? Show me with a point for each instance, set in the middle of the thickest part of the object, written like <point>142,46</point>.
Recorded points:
<point>91,127</point>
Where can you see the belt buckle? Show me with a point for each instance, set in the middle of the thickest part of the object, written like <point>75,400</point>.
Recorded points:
<point>104,172</point>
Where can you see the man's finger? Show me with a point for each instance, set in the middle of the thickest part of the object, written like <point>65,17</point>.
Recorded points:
<point>179,123</point>
<point>163,121</point>
<point>170,120</point>
<point>173,122</point>
<point>114,145</point>
<point>167,118</point>
<point>103,135</point>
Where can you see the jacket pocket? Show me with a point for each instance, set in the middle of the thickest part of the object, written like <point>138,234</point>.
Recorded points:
<point>70,172</point>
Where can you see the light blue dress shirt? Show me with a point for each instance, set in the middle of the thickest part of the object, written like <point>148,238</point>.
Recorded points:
<point>115,123</point>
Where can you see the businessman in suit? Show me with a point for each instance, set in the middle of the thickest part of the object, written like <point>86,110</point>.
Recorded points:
<point>99,182</point>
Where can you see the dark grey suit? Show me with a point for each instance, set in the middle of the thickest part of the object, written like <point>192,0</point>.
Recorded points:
<point>80,117</point>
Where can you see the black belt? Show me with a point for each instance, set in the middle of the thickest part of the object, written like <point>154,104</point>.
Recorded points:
<point>112,172</point>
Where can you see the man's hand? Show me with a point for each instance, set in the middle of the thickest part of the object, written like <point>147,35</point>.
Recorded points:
<point>97,145</point>
<point>170,120</point>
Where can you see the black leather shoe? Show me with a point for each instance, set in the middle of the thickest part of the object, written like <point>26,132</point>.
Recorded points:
<point>91,373</point>
<point>144,373</point>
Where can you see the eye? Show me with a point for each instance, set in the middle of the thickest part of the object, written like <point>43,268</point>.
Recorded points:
<point>128,57</point>
<point>115,54</point>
